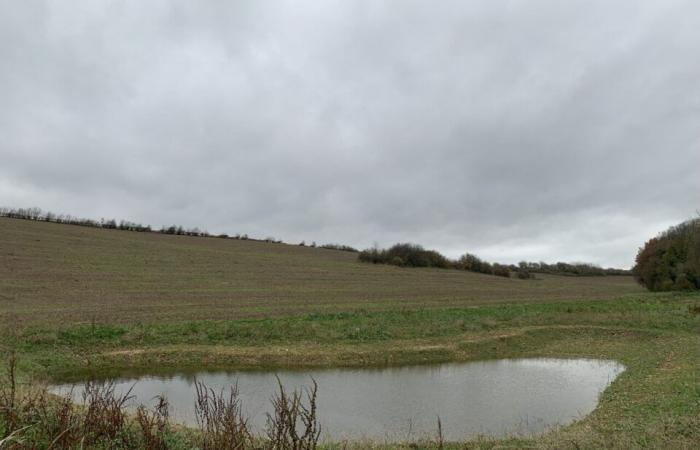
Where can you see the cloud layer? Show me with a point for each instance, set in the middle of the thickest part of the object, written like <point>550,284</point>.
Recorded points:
<point>539,130</point>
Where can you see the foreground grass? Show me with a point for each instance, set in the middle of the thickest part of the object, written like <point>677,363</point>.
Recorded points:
<point>352,339</point>
<point>655,403</point>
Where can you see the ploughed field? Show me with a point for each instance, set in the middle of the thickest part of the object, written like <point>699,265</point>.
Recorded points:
<point>64,274</point>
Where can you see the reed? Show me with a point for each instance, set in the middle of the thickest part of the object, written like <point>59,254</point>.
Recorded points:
<point>154,425</point>
<point>221,421</point>
<point>294,425</point>
<point>35,419</point>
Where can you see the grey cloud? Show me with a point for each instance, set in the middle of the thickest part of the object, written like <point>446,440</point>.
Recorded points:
<point>516,130</point>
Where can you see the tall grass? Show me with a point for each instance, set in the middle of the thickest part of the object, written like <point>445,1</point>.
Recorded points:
<point>155,425</point>
<point>220,419</point>
<point>293,424</point>
<point>32,418</point>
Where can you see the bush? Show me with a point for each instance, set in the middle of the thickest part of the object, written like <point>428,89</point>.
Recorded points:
<point>683,284</point>
<point>671,261</point>
<point>397,261</point>
<point>33,419</point>
<point>501,271</point>
<point>409,255</point>
<point>473,263</point>
<point>372,255</point>
<point>341,247</point>
<point>524,275</point>
<point>412,255</point>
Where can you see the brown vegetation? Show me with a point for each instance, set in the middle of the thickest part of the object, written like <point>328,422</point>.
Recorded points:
<point>34,419</point>
<point>221,419</point>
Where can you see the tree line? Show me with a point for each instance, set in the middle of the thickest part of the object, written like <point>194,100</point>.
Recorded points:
<point>574,269</point>
<point>401,254</point>
<point>37,214</point>
<point>413,255</point>
<point>671,260</point>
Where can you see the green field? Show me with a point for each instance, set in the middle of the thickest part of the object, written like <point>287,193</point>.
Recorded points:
<point>73,298</point>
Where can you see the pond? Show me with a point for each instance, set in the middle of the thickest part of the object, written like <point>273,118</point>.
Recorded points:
<point>496,398</point>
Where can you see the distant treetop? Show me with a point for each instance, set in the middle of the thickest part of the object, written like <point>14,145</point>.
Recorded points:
<point>671,260</point>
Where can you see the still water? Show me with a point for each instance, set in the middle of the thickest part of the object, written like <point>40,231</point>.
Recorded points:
<point>488,397</point>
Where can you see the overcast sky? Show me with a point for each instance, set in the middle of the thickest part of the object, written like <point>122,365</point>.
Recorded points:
<point>539,130</point>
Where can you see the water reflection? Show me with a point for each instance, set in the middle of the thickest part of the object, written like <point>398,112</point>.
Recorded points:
<point>489,397</point>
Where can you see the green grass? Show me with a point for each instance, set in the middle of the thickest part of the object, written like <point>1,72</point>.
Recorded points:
<point>68,307</point>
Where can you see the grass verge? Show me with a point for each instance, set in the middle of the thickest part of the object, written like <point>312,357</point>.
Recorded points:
<point>655,403</point>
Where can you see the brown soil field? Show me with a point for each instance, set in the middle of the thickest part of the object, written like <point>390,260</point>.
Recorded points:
<point>65,274</point>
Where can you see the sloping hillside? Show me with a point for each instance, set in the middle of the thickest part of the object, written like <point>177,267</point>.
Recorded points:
<point>67,274</point>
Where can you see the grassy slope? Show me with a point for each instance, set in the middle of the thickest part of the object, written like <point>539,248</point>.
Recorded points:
<point>72,297</point>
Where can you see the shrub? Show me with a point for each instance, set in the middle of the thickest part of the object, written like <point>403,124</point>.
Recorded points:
<point>154,425</point>
<point>372,255</point>
<point>410,255</point>
<point>34,419</point>
<point>341,247</point>
<point>220,418</point>
<point>473,263</point>
<point>524,275</point>
<point>671,261</point>
<point>397,261</point>
<point>683,284</point>
<point>294,423</point>
<point>501,271</point>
